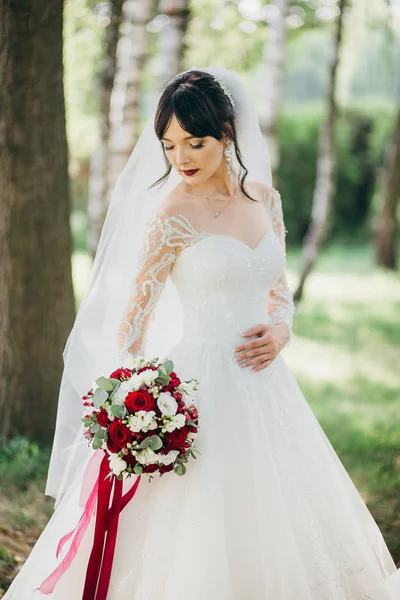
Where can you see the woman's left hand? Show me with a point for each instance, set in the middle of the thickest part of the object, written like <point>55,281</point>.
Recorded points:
<point>260,352</point>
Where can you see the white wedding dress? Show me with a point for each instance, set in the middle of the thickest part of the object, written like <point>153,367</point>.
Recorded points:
<point>267,511</point>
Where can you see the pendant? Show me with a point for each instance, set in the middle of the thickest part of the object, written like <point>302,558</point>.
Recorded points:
<point>216,214</point>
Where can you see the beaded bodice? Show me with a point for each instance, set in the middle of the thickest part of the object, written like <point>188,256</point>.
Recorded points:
<point>224,284</point>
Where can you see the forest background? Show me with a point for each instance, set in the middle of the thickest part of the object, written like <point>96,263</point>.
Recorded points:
<point>77,82</point>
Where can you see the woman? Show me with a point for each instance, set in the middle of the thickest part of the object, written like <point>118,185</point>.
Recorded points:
<point>267,511</point>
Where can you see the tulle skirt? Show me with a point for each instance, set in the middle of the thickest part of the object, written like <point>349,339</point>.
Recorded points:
<point>266,512</point>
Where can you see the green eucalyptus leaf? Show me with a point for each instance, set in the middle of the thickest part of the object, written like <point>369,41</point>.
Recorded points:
<point>180,469</point>
<point>168,365</point>
<point>153,441</point>
<point>114,382</point>
<point>97,443</point>
<point>100,396</point>
<point>105,384</point>
<point>138,469</point>
<point>87,422</point>
<point>118,410</point>
<point>95,427</point>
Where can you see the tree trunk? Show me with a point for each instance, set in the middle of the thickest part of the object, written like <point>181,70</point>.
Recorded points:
<point>272,79</point>
<point>36,295</point>
<point>98,178</point>
<point>131,57</point>
<point>172,44</point>
<point>326,167</point>
<point>386,222</point>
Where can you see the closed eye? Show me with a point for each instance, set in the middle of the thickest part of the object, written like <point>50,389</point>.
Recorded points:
<point>196,147</point>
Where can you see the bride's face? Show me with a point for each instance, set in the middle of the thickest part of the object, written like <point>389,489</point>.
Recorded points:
<point>186,153</point>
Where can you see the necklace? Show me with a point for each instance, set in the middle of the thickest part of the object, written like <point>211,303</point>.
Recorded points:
<point>217,212</point>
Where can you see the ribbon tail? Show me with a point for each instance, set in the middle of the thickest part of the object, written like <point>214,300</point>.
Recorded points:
<point>113,519</point>
<point>103,499</point>
<point>49,583</point>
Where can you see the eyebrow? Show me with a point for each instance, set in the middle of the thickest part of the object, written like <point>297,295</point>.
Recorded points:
<point>188,137</point>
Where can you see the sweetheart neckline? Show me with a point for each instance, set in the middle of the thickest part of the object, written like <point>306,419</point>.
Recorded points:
<point>229,237</point>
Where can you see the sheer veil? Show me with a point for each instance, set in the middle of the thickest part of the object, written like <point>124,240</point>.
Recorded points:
<point>91,348</point>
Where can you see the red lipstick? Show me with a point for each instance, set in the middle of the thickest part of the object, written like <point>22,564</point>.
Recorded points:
<point>190,172</point>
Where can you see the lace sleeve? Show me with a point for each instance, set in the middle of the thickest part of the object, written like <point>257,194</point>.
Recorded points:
<point>164,238</point>
<point>280,302</point>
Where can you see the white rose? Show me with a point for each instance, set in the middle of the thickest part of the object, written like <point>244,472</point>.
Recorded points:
<point>167,404</point>
<point>124,389</point>
<point>117,464</point>
<point>168,459</point>
<point>177,422</point>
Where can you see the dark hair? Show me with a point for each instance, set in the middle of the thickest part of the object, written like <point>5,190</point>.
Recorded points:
<point>202,109</point>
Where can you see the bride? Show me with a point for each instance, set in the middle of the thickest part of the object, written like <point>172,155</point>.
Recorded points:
<point>268,510</point>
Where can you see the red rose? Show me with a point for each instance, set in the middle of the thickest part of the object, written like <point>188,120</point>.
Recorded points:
<point>166,468</point>
<point>153,368</point>
<point>102,418</point>
<point>173,382</point>
<point>152,468</point>
<point>112,447</point>
<point>119,433</point>
<point>140,400</point>
<point>177,438</point>
<point>121,374</point>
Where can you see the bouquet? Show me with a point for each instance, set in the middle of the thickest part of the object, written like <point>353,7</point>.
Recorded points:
<point>140,419</point>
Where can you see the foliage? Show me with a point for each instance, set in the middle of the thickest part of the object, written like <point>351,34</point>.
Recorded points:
<point>362,134</point>
<point>22,461</point>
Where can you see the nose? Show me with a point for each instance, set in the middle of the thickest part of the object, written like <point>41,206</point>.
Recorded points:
<point>181,157</point>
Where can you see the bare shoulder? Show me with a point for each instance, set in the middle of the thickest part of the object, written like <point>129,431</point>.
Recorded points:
<point>173,204</point>
<point>261,190</point>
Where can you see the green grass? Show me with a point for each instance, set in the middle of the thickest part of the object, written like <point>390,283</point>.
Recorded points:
<point>346,357</point>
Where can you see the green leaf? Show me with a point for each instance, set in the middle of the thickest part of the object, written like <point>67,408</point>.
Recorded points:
<point>115,382</point>
<point>193,454</point>
<point>87,422</point>
<point>95,427</point>
<point>100,396</point>
<point>138,469</point>
<point>105,384</point>
<point>168,365</point>
<point>153,441</point>
<point>180,469</point>
<point>97,443</point>
<point>118,410</point>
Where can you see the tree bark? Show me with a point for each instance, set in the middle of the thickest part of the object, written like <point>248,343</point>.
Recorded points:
<point>36,294</point>
<point>272,79</point>
<point>326,168</point>
<point>172,44</point>
<point>386,224</point>
<point>132,53</point>
<point>98,177</point>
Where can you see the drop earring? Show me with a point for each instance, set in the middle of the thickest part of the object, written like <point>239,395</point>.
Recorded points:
<point>228,155</point>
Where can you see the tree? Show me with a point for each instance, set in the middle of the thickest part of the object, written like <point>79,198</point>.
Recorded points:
<point>386,223</point>
<point>172,44</point>
<point>132,53</point>
<point>98,178</point>
<point>272,79</point>
<point>326,167</point>
<point>36,294</point>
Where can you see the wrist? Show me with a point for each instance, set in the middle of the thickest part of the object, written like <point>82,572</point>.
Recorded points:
<point>282,334</point>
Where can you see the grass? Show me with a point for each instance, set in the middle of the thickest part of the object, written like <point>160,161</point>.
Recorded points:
<point>345,355</point>
<point>346,358</point>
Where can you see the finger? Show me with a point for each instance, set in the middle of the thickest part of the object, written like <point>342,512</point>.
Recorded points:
<point>255,361</point>
<point>260,328</point>
<point>257,343</point>
<point>262,350</point>
<point>262,365</point>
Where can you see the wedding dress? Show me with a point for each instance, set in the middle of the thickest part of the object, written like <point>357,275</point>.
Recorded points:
<point>267,511</point>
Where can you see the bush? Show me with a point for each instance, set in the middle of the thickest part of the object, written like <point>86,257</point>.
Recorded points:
<point>361,137</point>
<point>21,462</point>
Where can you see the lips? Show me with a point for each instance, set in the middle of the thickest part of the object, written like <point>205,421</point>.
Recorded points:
<point>190,172</point>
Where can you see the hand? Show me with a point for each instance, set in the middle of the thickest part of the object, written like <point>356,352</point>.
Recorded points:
<point>260,352</point>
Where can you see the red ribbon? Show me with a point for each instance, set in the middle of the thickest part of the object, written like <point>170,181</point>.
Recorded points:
<point>98,572</point>
<point>99,568</point>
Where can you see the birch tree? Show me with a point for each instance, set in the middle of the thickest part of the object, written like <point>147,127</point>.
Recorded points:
<point>326,166</point>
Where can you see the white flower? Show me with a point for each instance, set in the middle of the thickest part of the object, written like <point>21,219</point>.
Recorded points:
<point>148,376</point>
<point>185,388</point>
<point>142,421</point>
<point>168,459</point>
<point>134,362</point>
<point>192,435</point>
<point>121,393</point>
<point>177,422</point>
<point>147,456</point>
<point>117,464</point>
<point>167,404</point>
